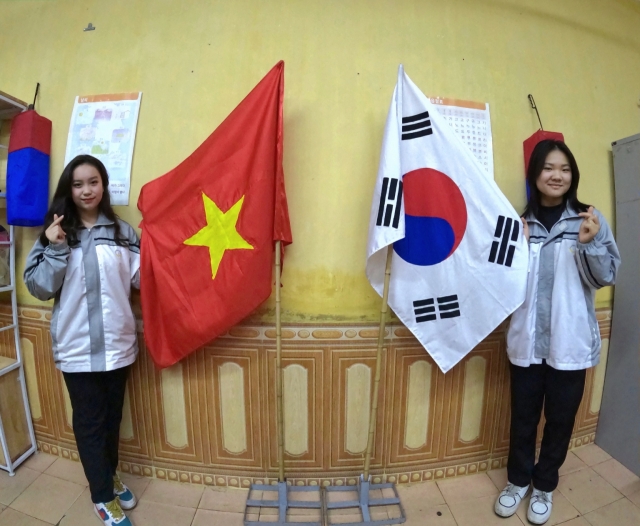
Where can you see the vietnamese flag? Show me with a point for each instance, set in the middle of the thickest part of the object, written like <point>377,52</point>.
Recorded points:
<point>210,226</point>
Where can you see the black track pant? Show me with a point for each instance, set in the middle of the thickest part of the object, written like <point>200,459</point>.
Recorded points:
<point>96,399</point>
<point>560,392</point>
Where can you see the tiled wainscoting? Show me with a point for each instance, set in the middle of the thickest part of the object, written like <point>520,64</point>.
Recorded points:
<point>211,418</point>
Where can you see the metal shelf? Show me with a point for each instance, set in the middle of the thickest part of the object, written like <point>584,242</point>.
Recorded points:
<point>10,107</point>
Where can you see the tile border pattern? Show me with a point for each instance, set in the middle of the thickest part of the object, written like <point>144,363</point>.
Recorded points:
<point>54,438</point>
<point>238,481</point>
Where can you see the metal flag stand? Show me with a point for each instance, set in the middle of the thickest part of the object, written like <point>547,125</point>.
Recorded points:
<point>283,502</point>
<point>365,502</point>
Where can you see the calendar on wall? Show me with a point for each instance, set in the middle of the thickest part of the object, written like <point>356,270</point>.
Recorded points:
<point>472,122</point>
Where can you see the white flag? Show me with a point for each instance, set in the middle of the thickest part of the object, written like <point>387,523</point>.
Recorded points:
<point>460,259</point>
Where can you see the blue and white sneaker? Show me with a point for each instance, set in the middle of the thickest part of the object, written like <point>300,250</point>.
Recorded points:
<point>126,497</point>
<point>111,514</point>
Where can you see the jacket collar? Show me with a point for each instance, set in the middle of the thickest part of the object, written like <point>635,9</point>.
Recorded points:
<point>102,220</point>
<point>568,213</point>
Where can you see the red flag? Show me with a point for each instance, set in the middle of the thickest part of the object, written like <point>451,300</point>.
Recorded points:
<point>209,227</point>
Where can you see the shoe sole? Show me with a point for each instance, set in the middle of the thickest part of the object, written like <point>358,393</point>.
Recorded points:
<point>127,506</point>
<point>536,522</point>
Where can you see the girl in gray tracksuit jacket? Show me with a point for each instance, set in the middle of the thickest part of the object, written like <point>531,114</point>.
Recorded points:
<point>87,260</point>
<point>553,337</point>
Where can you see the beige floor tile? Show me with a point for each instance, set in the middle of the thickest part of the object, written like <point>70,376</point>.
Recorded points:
<point>309,513</point>
<point>433,516</point>
<point>620,513</point>
<point>154,514</point>
<point>587,491</point>
<point>351,495</point>
<point>498,477</point>
<point>69,470</point>
<point>81,512</point>
<point>580,521</point>
<point>417,497</point>
<point>635,498</point>
<point>618,476</point>
<point>479,512</point>
<point>562,510</point>
<point>591,454</point>
<point>341,518</point>
<point>136,484</point>
<point>48,498</point>
<point>217,518</point>
<point>460,489</point>
<point>40,461</point>
<point>572,464</point>
<point>11,487</point>
<point>224,499</point>
<point>173,493</point>
<point>11,517</point>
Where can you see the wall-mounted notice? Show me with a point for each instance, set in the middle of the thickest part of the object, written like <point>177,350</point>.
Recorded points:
<point>105,126</point>
<point>472,123</point>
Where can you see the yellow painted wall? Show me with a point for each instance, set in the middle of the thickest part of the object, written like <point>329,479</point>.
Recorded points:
<point>195,60</point>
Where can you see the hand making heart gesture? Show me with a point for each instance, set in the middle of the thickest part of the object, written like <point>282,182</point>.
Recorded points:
<point>54,233</point>
<point>590,226</point>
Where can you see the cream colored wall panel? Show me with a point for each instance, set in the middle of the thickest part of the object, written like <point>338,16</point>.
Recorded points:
<point>126,426</point>
<point>173,406</point>
<point>598,378</point>
<point>473,398</point>
<point>31,376</point>
<point>68,410</point>
<point>419,389</point>
<point>358,402</point>
<point>296,409</point>
<point>232,404</point>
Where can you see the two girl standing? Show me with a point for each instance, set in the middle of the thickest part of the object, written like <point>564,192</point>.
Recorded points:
<point>88,259</point>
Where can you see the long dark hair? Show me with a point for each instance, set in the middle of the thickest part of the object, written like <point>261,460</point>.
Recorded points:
<point>63,204</point>
<point>536,165</point>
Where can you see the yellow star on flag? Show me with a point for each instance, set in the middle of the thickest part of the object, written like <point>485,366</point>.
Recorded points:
<point>220,233</point>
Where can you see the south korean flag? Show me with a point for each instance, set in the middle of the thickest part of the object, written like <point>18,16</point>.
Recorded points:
<point>459,263</point>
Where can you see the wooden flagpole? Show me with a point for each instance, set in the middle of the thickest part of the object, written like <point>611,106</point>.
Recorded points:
<point>374,406</point>
<point>279,387</point>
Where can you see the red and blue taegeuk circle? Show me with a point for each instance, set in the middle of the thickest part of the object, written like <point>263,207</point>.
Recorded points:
<point>435,217</point>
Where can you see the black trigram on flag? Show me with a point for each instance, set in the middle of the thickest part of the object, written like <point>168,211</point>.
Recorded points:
<point>449,306</point>
<point>503,247</point>
<point>390,203</point>
<point>425,310</point>
<point>416,126</point>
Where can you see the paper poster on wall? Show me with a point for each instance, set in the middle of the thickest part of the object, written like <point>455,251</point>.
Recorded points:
<point>472,122</point>
<point>105,126</point>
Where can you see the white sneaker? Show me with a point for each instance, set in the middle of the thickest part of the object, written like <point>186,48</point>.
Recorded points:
<point>540,506</point>
<point>509,499</point>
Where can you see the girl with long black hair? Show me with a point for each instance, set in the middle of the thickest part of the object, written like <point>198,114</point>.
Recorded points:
<point>553,337</point>
<point>87,259</point>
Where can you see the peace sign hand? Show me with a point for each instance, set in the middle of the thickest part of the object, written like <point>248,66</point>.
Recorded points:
<point>54,233</point>
<point>590,226</point>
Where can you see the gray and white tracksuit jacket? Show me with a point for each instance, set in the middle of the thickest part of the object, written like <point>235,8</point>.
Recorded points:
<point>92,326</point>
<point>557,321</point>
